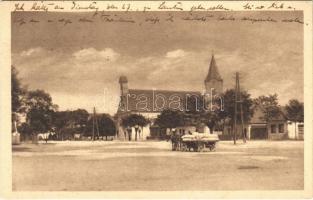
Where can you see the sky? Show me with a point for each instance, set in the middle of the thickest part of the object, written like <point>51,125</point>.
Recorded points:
<point>79,63</point>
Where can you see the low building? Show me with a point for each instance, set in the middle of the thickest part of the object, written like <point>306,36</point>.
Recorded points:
<point>276,129</point>
<point>295,130</point>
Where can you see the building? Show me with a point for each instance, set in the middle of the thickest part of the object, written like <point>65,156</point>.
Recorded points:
<point>150,103</point>
<point>276,129</point>
<point>295,130</point>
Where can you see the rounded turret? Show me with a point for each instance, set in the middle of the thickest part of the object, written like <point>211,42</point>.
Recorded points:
<point>123,79</point>
<point>124,85</point>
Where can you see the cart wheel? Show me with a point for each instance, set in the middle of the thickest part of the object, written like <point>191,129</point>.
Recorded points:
<point>173,147</point>
<point>212,147</point>
<point>198,148</point>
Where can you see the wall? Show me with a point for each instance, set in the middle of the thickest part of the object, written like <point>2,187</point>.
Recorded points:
<point>293,130</point>
<point>144,133</point>
<point>216,84</point>
<point>275,134</point>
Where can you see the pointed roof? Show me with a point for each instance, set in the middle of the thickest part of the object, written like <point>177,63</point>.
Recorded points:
<point>213,71</point>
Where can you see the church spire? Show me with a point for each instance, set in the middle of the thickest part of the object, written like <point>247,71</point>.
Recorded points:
<point>213,71</point>
<point>213,80</point>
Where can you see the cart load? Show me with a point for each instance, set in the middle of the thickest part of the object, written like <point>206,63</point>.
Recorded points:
<point>199,142</point>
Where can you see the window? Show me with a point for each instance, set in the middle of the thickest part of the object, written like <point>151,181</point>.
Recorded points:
<point>273,128</point>
<point>281,128</point>
<point>300,129</point>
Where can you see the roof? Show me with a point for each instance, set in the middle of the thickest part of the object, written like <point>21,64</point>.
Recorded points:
<point>213,71</point>
<point>155,100</point>
<point>258,116</point>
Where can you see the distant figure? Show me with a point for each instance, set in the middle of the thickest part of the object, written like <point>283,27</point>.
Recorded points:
<point>175,141</point>
<point>129,132</point>
<point>139,132</point>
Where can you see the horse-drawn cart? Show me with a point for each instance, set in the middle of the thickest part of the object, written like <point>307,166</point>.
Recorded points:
<point>196,141</point>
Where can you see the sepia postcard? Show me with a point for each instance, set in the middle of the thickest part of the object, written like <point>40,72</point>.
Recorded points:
<point>156,99</point>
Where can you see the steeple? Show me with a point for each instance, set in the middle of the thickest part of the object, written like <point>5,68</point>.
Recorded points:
<point>123,85</point>
<point>213,80</point>
<point>213,71</point>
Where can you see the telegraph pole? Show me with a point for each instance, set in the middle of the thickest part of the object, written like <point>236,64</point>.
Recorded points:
<point>235,115</point>
<point>97,125</point>
<point>238,100</point>
<point>93,124</point>
<point>241,113</point>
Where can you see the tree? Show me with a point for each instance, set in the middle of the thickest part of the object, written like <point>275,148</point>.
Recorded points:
<point>269,106</point>
<point>228,112</point>
<point>105,124</point>
<point>79,117</point>
<point>76,120</point>
<point>60,121</point>
<point>25,130</point>
<point>136,121</point>
<point>17,93</point>
<point>205,110</point>
<point>39,109</point>
<point>210,119</point>
<point>295,111</point>
<point>170,119</point>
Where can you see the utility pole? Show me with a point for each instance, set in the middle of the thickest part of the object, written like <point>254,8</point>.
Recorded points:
<point>235,114</point>
<point>95,123</point>
<point>238,100</point>
<point>241,113</point>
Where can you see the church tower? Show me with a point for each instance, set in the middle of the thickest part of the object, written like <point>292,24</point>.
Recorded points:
<point>213,79</point>
<point>123,85</point>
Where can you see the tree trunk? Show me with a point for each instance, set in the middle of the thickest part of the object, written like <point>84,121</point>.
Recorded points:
<point>129,135</point>
<point>296,136</point>
<point>34,138</point>
<point>223,126</point>
<point>125,134</point>
<point>136,131</point>
<point>267,131</point>
<point>47,138</point>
